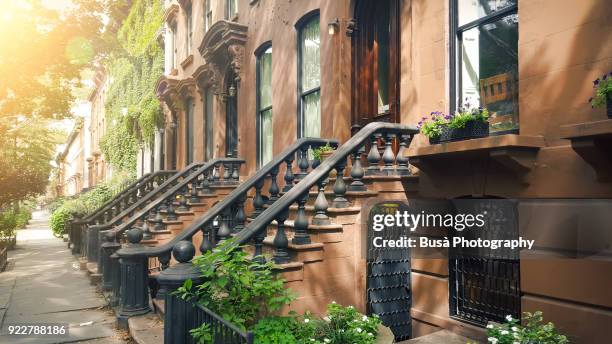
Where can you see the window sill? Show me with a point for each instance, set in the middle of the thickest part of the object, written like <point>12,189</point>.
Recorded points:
<point>515,153</point>
<point>593,142</point>
<point>187,61</point>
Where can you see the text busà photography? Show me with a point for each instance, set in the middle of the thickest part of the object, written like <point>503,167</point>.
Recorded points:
<point>306,171</point>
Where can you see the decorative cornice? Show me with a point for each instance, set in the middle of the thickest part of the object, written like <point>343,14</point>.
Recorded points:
<point>186,87</point>
<point>166,91</point>
<point>223,47</point>
<point>185,3</point>
<point>187,61</point>
<point>208,76</point>
<point>171,13</point>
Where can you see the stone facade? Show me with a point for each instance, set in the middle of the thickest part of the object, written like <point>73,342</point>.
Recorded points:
<point>562,47</point>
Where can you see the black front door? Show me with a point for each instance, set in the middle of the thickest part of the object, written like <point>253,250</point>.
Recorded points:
<point>388,293</point>
<point>231,121</point>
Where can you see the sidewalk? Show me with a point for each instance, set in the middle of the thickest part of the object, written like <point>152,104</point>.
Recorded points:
<point>43,284</point>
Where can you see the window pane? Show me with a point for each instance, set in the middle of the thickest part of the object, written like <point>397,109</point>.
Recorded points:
<point>489,71</point>
<point>310,45</point>
<point>470,10</point>
<point>382,41</point>
<point>208,117</point>
<point>266,137</point>
<point>312,115</point>
<point>265,79</point>
<point>189,131</point>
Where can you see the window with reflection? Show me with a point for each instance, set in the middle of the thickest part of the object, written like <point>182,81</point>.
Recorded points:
<point>189,24</point>
<point>264,106</point>
<point>207,15</point>
<point>309,76</point>
<point>208,125</point>
<point>231,9</point>
<point>189,128</point>
<point>485,72</point>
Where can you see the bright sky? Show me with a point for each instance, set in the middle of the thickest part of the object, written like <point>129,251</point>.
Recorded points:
<point>57,4</point>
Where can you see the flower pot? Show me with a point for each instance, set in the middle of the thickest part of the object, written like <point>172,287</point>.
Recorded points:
<point>445,134</point>
<point>325,155</point>
<point>472,129</point>
<point>434,140</point>
<point>609,107</point>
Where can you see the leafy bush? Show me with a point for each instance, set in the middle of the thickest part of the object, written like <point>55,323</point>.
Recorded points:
<point>533,332</point>
<point>236,287</point>
<point>316,153</point>
<point>603,91</point>
<point>12,219</point>
<point>432,127</point>
<point>59,219</point>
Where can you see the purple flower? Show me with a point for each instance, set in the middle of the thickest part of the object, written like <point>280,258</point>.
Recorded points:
<point>448,117</point>
<point>596,82</point>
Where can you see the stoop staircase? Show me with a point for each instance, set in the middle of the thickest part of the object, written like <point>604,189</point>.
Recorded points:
<point>310,227</point>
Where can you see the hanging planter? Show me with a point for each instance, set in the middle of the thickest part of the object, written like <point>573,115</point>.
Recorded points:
<point>463,125</point>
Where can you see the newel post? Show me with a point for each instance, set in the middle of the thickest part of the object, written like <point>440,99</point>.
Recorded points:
<point>180,313</point>
<point>108,248</point>
<point>134,288</point>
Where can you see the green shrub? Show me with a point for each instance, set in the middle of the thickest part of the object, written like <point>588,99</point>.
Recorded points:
<point>532,332</point>
<point>12,219</point>
<point>59,219</point>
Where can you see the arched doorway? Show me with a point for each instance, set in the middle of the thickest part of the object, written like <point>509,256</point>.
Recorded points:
<point>376,56</point>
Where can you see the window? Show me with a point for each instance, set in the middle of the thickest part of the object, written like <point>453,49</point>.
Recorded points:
<point>189,30</point>
<point>309,78</point>
<point>208,125</point>
<point>485,59</point>
<point>264,105</point>
<point>189,131</point>
<point>231,9</point>
<point>207,15</point>
<point>173,47</point>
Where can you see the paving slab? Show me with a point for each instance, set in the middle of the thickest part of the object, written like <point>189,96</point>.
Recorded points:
<point>43,284</point>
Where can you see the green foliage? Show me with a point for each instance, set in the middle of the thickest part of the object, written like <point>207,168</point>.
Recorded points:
<point>236,287</point>
<point>59,219</point>
<point>132,110</point>
<point>603,91</point>
<point>532,332</point>
<point>316,153</point>
<point>13,218</point>
<point>432,127</point>
<point>463,116</point>
<point>202,334</point>
<point>277,330</point>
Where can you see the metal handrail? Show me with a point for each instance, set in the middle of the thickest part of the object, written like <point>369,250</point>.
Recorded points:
<point>148,197</point>
<point>172,191</point>
<point>231,198</point>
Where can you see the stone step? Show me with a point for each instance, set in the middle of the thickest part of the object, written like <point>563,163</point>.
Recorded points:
<point>146,329</point>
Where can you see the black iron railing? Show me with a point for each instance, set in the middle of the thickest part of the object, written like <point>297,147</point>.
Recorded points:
<point>3,257</point>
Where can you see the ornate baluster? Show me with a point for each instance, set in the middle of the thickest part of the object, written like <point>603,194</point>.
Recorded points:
<point>235,173</point>
<point>224,230</point>
<point>340,187</point>
<point>302,164</point>
<point>274,189</point>
<point>289,177</point>
<point>206,244</point>
<point>163,206</point>
<point>226,173</point>
<point>240,216</point>
<point>206,184</point>
<point>171,215</point>
<point>258,239</point>
<point>402,160</point>
<point>281,254</point>
<point>301,222</point>
<point>388,156</point>
<point>216,172</point>
<point>158,221</point>
<point>152,214</point>
<point>164,259</point>
<point>194,192</point>
<point>258,201</point>
<point>146,233</point>
<point>373,157</point>
<point>321,205</point>
<point>183,207</point>
<point>357,173</point>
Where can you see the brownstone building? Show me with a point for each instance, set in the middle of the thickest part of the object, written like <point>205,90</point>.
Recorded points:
<point>246,78</point>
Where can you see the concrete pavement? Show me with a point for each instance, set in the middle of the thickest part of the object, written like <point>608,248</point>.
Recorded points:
<point>43,284</point>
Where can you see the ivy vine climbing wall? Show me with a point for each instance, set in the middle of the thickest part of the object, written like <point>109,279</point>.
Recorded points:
<point>132,111</point>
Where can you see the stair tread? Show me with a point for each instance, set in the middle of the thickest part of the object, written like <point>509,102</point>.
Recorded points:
<point>291,224</point>
<point>269,241</point>
<point>172,222</point>
<point>331,209</point>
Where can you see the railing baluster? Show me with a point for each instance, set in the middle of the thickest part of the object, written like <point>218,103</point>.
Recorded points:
<point>320,218</point>
<point>183,206</point>
<point>240,216</point>
<point>402,160</point>
<point>340,187</point>
<point>171,214</point>
<point>281,254</point>
<point>289,177</point>
<point>373,157</point>
<point>258,201</point>
<point>302,163</point>
<point>158,221</point>
<point>206,184</point>
<point>146,233</point>
<point>258,239</point>
<point>274,189</point>
<point>388,156</point>
<point>235,179</point>
<point>301,222</point>
<point>194,198</point>
<point>226,173</point>
<point>224,229</point>
<point>215,230</point>
<point>216,174</point>
<point>357,173</point>
<point>206,244</point>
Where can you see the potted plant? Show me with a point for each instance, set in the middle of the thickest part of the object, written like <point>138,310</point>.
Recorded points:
<point>603,93</point>
<point>435,128</point>
<point>322,152</point>
<point>468,124</point>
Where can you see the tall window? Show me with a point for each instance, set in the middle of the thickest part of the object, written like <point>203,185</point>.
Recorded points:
<point>485,59</point>
<point>208,125</point>
<point>189,131</point>
<point>231,9</point>
<point>309,76</point>
<point>174,50</point>
<point>189,23</point>
<point>207,15</point>
<point>264,105</point>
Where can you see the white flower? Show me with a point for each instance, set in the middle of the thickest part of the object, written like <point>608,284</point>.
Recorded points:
<point>514,328</point>
<point>312,339</point>
<point>326,340</point>
<point>351,307</point>
<point>504,332</point>
<point>326,319</point>
<point>492,340</point>
<point>334,302</point>
<point>509,317</point>
<point>306,320</point>
<point>364,318</point>
<point>516,335</point>
<point>490,326</point>
<point>358,329</point>
<point>370,334</point>
<point>516,343</point>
